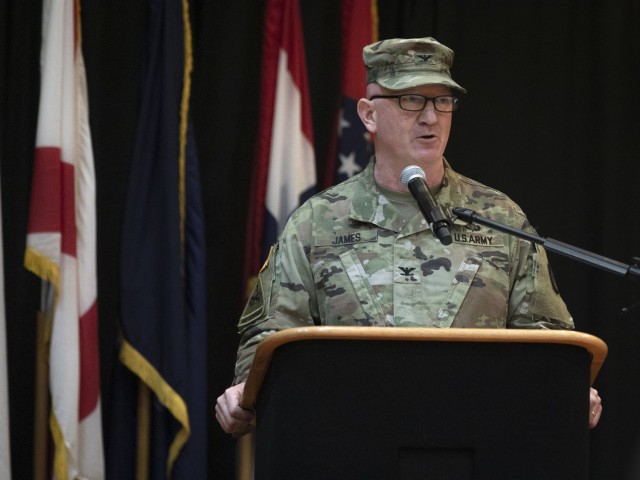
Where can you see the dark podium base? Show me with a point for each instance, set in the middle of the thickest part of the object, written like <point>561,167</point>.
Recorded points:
<point>423,410</point>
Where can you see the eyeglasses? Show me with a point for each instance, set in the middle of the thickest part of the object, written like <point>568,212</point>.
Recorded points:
<point>416,103</point>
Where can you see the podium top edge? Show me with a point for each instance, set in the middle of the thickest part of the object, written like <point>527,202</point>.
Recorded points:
<point>570,337</point>
<point>595,346</point>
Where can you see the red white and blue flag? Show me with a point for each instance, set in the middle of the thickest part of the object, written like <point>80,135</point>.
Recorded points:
<point>284,169</point>
<point>354,147</point>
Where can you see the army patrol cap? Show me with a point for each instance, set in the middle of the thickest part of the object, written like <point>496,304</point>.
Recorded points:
<point>400,63</point>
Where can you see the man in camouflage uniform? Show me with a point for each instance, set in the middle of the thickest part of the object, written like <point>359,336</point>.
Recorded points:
<point>362,253</point>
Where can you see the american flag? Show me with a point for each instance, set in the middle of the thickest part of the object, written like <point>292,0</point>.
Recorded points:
<point>354,146</point>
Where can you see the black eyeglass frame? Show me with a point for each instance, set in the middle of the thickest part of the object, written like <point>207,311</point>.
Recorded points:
<point>454,103</point>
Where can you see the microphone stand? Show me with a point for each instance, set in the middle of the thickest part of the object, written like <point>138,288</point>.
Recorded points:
<point>598,261</point>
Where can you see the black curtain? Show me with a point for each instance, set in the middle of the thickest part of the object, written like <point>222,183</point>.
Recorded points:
<point>550,119</point>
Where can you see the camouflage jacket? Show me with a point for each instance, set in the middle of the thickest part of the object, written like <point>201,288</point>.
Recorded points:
<point>346,257</point>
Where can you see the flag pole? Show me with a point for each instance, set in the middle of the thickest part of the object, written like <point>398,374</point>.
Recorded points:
<point>44,322</point>
<point>142,434</point>
<point>41,404</point>
<point>245,456</point>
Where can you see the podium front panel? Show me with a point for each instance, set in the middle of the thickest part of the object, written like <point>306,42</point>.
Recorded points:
<point>423,410</point>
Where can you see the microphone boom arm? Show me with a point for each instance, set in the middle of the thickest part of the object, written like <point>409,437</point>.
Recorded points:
<point>575,253</point>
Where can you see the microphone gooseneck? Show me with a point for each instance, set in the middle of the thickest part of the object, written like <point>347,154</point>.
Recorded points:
<point>414,180</point>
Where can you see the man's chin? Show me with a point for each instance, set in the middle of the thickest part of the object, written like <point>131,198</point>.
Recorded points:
<point>427,157</point>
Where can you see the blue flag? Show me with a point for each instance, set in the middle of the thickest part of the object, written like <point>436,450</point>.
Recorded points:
<point>162,266</point>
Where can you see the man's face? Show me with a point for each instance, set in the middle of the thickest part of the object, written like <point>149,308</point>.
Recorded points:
<point>408,137</point>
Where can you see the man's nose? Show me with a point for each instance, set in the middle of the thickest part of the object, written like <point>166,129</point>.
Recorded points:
<point>428,114</point>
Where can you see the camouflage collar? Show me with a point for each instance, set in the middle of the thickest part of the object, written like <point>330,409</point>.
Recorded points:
<point>366,196</point>
<point>368,204</point>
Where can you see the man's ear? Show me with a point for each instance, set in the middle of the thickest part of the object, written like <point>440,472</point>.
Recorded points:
<point>367,113</point>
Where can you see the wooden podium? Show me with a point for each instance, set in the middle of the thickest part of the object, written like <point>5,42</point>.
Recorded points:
<point>410,403</point>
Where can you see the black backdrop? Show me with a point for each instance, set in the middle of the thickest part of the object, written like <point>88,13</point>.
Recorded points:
<point>550,118</point>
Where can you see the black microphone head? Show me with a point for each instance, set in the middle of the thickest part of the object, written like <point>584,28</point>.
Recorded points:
<point>410,173</point>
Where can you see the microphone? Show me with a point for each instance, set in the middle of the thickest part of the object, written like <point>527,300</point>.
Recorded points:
<point>414,179</point>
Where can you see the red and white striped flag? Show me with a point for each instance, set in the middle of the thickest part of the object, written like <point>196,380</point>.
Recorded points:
<point>285,170</point>
<point>61,244</point>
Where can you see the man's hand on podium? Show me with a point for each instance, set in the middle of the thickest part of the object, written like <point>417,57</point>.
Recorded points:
<point>230,415</point>
<point>595,407</point>
<point>238,421</point>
